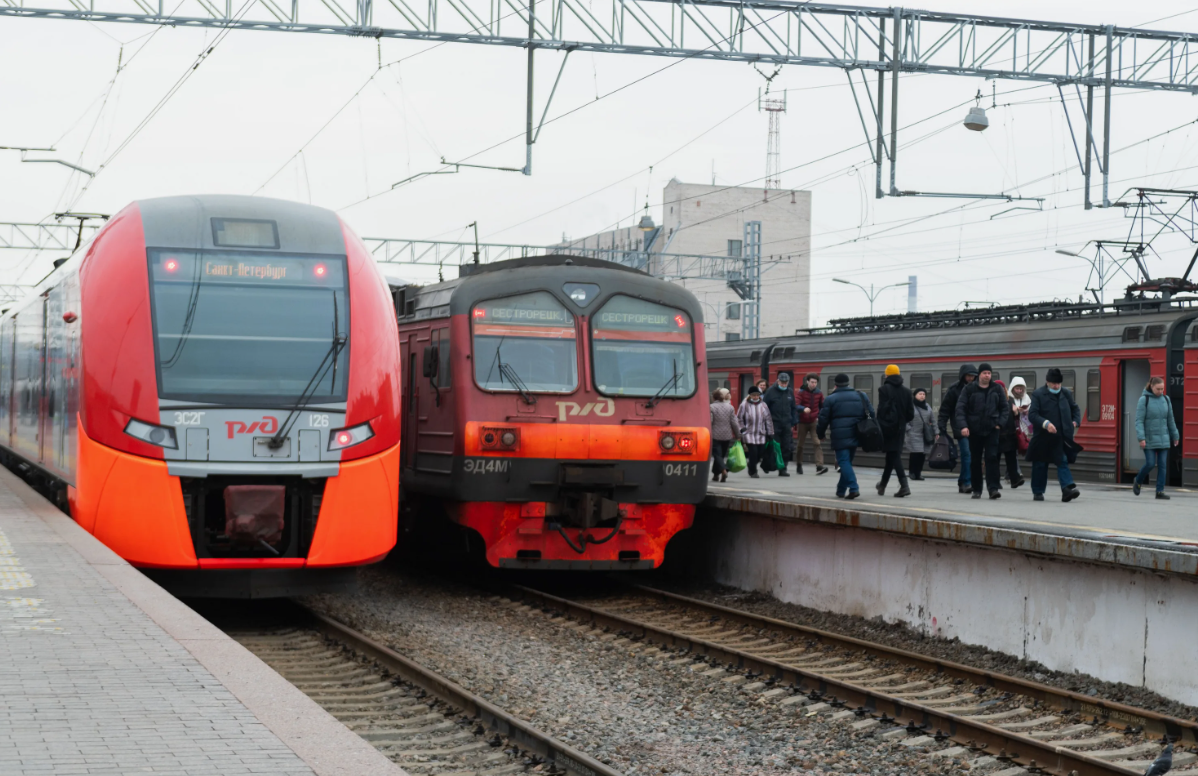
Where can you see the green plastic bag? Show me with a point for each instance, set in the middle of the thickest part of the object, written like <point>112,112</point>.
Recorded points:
<point>773,453</point>
<point>736,458</point>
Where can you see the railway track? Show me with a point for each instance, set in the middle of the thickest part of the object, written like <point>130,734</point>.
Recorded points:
<point>423,722</point>
<point>999,725</point>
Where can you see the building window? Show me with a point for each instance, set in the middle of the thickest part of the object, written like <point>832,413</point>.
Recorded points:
<point>733,311</point>
<point>731,336</point>
<point>734,248</point>
<point>1093,395</point>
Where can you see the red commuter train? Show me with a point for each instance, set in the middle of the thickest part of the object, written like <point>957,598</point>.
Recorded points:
<point>1106,354</point>
<point>553,408</point>
<point>212,388</point>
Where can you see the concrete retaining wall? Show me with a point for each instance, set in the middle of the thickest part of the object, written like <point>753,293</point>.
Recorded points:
<point>1119,624</point>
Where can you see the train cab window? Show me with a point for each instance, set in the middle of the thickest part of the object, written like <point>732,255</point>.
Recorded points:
<point>1093,395</point>
<point>1029,379</point>
<point>525,343</point>
<point>864,383</point>
<point>232,327</point>
<point>640,348</point>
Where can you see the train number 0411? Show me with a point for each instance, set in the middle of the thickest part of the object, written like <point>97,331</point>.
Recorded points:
<point>682,469</point>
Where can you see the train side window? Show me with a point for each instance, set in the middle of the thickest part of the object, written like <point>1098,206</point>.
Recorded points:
<point>746,382</point>
<point>1069,380</point>
<point>1093,395</point>
<point>947,380</point>
<point>441,340</point>
<point>1029,377</point>
<point>831,383</point>
<point>712,384</point>
<point>864,383</point>
<point>921,380</point>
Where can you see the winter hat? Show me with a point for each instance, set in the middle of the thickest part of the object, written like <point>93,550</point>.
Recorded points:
<point>1054,376</point>
<point>841,379</point>
<point>754,390</point>
<point>784,378</point>
<point>984,368</point>
<point>892,369</point>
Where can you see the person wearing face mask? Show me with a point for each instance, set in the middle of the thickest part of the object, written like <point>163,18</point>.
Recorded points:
<point>1009,438</point>
<point>756,427</point>
<point>982,411</point>
<point>1156,431</point>
<point>780,398</point>
<point>1054,416</point>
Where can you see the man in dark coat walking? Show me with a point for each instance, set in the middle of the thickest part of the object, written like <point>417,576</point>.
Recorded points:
<point>1054,416</point>
<point>982,411</point>
<point>946,421</point>
<point>896,409</point>
<point>843,410</point>
<point>780,398</point>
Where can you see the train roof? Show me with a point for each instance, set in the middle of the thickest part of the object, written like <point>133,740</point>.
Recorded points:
<point>959,335</point>
<point>480,282</point>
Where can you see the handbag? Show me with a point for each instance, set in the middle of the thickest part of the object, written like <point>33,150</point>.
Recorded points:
<point>869,433</point>
<point>943,454</point>
<point>772,460</point>
<point>929,433</point>
<point>736,458</point>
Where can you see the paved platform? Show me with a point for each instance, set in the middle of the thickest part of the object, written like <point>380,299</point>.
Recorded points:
<point>1108,524</point>
<point>105,673</point>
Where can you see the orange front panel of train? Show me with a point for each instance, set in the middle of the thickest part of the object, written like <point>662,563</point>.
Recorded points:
<point>133,505</point>
<point>359,514</point>
<point>593,442</point>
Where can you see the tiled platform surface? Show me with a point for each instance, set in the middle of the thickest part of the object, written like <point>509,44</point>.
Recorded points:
<point>1108,524</point>
<point>103,673</point>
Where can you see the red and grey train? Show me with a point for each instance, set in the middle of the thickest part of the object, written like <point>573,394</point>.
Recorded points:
<point>1105,353</point>
<point>213,386</point>
<point>553,409</point>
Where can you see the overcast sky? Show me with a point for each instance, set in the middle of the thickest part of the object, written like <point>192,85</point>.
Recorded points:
<point>260,98</point>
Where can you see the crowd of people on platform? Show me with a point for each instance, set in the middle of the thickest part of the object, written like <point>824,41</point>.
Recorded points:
<point>982,423</point>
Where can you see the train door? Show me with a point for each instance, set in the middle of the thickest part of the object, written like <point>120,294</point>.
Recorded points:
<point>1135,376</point>
<point>744,384</point>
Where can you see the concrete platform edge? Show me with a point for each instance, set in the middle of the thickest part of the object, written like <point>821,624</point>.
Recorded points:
<point>1093,550</point>
<point>320,740</point>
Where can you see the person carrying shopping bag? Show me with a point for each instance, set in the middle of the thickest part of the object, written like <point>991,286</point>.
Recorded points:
<point>1156,431</point>
<point>756,427</point>
<point>725,429</point>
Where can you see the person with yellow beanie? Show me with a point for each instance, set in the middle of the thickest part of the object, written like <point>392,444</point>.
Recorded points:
<point>895,410</point>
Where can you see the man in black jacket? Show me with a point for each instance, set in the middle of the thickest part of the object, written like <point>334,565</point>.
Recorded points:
<point>946,422</point>
<point>780,398</point>
<point>982,412</point>
<point>1054,416</point>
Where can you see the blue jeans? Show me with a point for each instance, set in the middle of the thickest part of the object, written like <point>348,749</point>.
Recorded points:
<point>964,479</point>
<point>1040,474</point>
<point>1159,459</point>
<point>848,478</point>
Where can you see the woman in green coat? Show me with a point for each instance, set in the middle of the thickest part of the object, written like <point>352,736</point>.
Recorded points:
<point>1157,432</point>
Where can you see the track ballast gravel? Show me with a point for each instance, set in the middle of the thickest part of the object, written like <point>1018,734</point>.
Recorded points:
<point>621,702</point>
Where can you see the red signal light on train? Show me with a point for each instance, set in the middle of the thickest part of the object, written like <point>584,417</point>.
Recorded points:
<point>480,312</point>
<point>171,265</point>
<point>678,319</point>
<point>320,270</point>
<point>677,442</point>
<point>344,438</point>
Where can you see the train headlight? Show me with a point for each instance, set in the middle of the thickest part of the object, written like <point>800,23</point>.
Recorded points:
<point>499,438</point>
<point>159,436</point>
<point>342,438</point>
<point>677,442</point>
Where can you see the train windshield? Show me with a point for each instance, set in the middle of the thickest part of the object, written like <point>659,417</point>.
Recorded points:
<point>250,327</point>
<point>643,349</point>
<point>525,343</point>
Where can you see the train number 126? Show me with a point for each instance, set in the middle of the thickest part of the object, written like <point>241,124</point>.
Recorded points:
<point>682,469</point>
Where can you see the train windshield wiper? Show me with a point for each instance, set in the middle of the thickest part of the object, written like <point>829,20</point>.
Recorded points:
<point>673,381</point>
<point>329,360</point>
<point>508,371</point>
